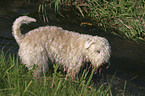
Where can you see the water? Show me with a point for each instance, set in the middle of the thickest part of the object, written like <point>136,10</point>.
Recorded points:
<point>128,57</point>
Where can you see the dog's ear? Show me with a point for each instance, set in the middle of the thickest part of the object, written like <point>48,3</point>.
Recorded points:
<point>89,42</point>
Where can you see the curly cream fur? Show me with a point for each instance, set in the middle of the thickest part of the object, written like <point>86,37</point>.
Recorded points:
<point>67,48</point>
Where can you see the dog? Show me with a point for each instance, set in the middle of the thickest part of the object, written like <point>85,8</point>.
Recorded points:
<point>67,48</point>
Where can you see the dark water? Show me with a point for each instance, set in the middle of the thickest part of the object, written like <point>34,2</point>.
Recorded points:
<point>128,57</point>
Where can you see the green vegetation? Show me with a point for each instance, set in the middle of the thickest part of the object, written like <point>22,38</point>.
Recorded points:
<point>16,81</point>
<point>126,17</point>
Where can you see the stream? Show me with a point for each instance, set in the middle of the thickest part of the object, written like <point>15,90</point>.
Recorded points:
<point>127,57</point>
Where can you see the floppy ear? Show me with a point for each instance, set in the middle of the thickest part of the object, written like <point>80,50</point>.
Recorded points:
<point>89,42</point>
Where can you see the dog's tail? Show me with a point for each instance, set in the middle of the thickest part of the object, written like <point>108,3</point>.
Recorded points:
<point>17,24</point>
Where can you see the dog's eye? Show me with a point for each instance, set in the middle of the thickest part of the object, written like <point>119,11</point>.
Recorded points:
<point>98,51</point>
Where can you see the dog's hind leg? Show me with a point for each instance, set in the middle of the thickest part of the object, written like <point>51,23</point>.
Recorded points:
<point>34,60</point>
<point>41,65</point>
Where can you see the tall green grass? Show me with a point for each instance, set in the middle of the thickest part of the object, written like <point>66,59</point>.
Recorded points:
<point>16,81</point>
<point>125,16</point>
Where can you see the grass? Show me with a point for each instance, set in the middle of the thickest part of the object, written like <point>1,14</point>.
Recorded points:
<point>16,81</point>
<point>125,16</point>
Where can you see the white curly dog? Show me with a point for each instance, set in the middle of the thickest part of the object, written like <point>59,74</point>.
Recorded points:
<point>66,48</point>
